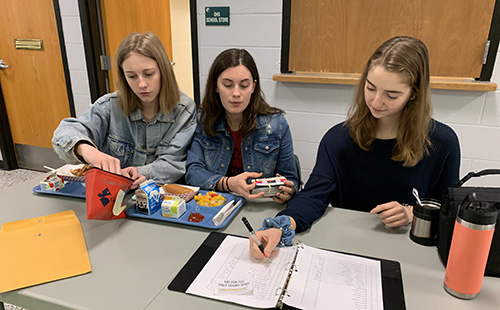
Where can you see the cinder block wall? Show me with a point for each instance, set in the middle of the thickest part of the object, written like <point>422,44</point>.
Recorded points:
<point>312,108</point>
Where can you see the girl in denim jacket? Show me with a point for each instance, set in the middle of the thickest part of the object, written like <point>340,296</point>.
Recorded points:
<point>239,136</point>
<point>141,131</point>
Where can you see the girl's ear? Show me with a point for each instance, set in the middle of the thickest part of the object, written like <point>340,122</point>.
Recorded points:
<point>414,94</point>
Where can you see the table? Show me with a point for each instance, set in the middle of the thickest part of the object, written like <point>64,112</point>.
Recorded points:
<point>134,260</point>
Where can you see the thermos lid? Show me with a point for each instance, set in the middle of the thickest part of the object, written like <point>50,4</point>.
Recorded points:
<point>428,210</point>
<point>477,211</point>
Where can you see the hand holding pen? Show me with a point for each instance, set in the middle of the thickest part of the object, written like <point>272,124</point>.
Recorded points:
<point>254,237</point>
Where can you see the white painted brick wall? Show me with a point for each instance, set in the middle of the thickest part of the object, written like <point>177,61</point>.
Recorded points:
<point>75,53</point>
<point>312,108</point>
<point>181,45</point>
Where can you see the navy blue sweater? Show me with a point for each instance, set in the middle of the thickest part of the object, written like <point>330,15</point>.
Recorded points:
<point>346,176</point>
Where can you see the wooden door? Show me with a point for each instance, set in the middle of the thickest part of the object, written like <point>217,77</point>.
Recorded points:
<point>34,85</point>
<point>120,18</point>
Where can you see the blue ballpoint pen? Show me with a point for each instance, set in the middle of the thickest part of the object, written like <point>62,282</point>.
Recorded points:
<point>254,236</point>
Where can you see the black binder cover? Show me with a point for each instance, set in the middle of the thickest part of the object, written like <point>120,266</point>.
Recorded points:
<point>392,282</point>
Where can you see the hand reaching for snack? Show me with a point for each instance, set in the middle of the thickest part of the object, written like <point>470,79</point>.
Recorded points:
<point>97,158</point>
<point>132,173</point>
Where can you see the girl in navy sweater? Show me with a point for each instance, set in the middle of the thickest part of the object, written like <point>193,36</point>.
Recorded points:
<point>388,145</point>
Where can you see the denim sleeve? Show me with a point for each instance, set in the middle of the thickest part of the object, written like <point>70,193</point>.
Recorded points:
<point>197,173</point>
<point>286,160</point>
<point>170,163</point>
<point>91,127</point>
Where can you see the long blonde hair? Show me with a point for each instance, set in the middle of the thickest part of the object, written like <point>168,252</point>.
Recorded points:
<point>149,45</point>
<point>408,57</point>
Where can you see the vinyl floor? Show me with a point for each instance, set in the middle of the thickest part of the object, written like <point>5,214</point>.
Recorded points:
<point>9,178</point>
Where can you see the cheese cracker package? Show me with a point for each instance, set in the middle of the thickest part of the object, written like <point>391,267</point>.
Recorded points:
<point>173,206</point>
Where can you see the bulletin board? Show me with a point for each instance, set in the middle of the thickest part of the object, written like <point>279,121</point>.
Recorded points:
<point>338,36</point>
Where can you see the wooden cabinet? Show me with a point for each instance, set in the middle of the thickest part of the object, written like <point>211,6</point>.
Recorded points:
<point>336,37</point>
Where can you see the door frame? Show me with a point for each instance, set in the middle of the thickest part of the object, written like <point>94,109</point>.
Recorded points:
<point>9,158</point>
<point>93,41</point>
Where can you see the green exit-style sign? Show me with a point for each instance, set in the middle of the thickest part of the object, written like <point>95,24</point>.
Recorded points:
<point>217,16</point>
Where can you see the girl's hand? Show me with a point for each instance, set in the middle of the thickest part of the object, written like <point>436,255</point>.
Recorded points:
<point>269,239</point>
<point>238,184</point>
<point>131,172</point>
<point>97,158</point>
<point>287,192</point>
<point>393,214</point>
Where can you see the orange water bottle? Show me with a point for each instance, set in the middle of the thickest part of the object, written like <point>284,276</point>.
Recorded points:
<point>470,247</point>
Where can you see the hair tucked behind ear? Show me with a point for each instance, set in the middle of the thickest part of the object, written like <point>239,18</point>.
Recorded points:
<point>408,57</point>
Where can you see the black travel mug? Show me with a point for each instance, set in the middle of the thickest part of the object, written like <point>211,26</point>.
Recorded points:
<point>425,222</point>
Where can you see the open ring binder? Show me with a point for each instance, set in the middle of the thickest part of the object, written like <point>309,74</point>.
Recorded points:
<point>197,266</point>
<point>298,246</point>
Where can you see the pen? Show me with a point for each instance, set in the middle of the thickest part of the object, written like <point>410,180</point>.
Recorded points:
<point>254,237</point>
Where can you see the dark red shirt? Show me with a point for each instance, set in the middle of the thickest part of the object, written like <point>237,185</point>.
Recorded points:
<point>236,163</point>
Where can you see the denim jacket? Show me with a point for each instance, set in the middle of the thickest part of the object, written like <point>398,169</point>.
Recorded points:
<point>157,149</point>
<point>269,149</point>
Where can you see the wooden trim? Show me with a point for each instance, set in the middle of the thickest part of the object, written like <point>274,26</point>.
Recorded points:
<point>454,83</point>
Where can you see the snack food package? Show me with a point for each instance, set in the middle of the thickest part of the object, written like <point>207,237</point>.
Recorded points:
<point>148,197</point>
<point>270,186</point>
<point>73,173</point>
<point>173,206</point>
<point>180,191</point>
<point>102,191</point>
<point>52,183</point>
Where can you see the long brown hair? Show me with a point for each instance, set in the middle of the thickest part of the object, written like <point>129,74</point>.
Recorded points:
<point>211,106</point>
<point>408,57</point>
<point>149,45</point>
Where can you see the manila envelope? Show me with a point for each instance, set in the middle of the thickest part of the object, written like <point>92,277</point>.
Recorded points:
<point>42,249</point>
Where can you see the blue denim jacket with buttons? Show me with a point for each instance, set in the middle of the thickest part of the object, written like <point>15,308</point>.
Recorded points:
<point>269,149</point>
<point>158,149</point>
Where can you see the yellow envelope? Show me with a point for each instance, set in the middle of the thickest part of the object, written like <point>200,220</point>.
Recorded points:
<point>42,249</point>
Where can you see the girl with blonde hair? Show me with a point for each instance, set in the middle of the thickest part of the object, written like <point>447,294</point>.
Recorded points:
<point>142,130</point>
